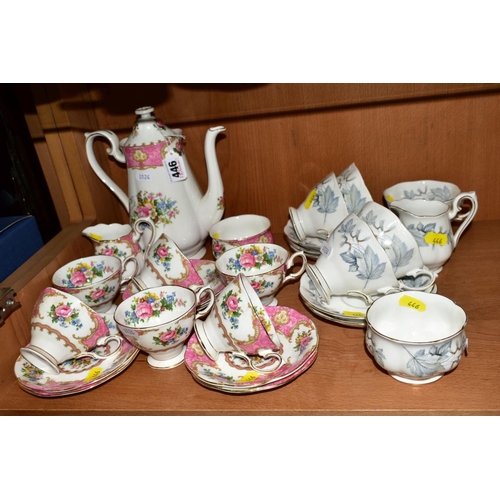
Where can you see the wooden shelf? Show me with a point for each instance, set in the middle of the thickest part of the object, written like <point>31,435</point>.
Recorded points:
<point>344,380</point>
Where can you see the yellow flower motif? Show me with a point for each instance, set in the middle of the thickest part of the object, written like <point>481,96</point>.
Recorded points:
<point>282,317</point>
<point>197,349</point>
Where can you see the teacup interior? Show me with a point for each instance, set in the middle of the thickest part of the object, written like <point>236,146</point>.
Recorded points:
<point>86,271</point>
<point>155,306</point>
<point>240,227</point>
<point>252,259</point>
<point>416,317</point>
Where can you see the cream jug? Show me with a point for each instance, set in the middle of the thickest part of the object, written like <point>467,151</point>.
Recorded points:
<point>430,223</point>
<point>161,184</point>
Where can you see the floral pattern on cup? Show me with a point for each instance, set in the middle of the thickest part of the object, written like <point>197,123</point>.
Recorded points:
<point>171,336</point>
<point>65,316</point>
<point>155,206</point>
<point>230,307</point>
<point>85,273</point>
<point>151,305</point>
<point>100,294</point>
<point>253,257</point>
<point>362,259</point>
<point>162,256</point>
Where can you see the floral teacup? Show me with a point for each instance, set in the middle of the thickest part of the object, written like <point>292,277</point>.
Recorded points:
<point>266,266</point>
<point>94,280</point>
<point>160,320</point>
<point>166,265</point>
<point>62,328</point>
<point>239,230</point>
<point>239,324</point>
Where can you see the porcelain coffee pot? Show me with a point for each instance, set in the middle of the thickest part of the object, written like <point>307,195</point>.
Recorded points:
<point>161,184</point>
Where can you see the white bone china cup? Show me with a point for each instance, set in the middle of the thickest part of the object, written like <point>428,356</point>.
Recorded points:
<point>266,265</point>
<point>63,328</point>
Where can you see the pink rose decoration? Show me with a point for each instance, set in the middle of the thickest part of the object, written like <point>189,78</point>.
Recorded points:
<point>304,341</point>
<point>143,211</point>
<point>232,303</point>
<point>143,310</point>
<point>97,294</point>
<point>78,278</point>
<point>168,335</point>
<point>64,311</point>
<point>247,260</point>
<point>108,251</point>
<point>255,285</point>
<point>162,252</point>
<point>217,247</point>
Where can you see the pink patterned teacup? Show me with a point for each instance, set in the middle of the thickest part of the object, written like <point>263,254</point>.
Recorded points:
<point>166,265</point>
<point>160,320</point>
<point>239,324</point>
<point>63,328</point>
<point>240,230</point>
<point>266,266</point>
<point>94,280</point>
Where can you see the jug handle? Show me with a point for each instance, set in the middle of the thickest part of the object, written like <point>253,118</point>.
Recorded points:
<point>467,218</point>
<point>139,232</point>
<point>114,151</point>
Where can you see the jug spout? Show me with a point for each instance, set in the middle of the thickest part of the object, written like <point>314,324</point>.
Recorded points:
<point>211,207</point>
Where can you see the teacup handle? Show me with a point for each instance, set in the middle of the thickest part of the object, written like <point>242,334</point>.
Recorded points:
<point>466,219</point>
<point>130,258</point>
<point>206,308</point>
<point>259,368</point>
<point>102,342</point>
<point>139,231</point>
<point>289,264</point>
<point>420,272</point>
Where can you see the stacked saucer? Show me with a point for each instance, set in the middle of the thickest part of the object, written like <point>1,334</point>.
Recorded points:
<point>77,375</point>
<point>299,340</point>
<point>311,246</point>
<point>345,310</point>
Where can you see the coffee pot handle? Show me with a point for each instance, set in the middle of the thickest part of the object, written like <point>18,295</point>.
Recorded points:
<point>466,219</point>
<point>114,151</point>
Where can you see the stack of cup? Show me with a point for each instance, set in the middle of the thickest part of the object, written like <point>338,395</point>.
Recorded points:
<point>325,207</point>
<point>369,254</point>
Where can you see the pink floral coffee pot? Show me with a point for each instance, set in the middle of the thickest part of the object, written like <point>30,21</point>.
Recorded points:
<point>161,184</point>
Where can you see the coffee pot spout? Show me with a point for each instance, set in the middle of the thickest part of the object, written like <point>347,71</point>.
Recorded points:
<point>211,207</point>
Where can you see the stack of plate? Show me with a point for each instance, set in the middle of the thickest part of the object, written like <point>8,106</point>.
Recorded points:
<point>349,310</point>
<point>311,246</point>
<point>299,347</point>
<point>346,310</point>
<point>77,375</point>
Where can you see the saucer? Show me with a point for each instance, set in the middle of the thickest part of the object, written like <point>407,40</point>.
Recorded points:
<point>311,243</point>
<point>299,341</point>
<point>345,309</point>
<point>77,375</point>
<point>264,387</point>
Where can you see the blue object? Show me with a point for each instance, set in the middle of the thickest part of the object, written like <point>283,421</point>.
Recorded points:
<point>19,239</point>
